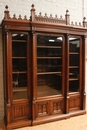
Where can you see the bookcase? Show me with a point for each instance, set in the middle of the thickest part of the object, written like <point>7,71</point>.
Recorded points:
<point>44,69</point>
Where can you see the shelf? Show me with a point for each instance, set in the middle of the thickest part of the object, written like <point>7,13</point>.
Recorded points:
<point>73,66</point>
<point>73,79</point>
<point>48,57</point>
<point>74,53</point>
<point>18,57</point>
<point>49,47</point>
<point>19,72</point>
<point>20,89</point>
<point>59,73</point>
<point>46,90</point>
<point>19,41</point>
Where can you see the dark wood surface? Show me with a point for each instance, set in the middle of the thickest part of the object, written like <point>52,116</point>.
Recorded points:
<point>29,104</point>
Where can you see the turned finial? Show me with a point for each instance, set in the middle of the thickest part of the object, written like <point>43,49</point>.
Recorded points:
<point>32,17</point>
<point>84,19</point>
<point>6,7</point>
<point>84,22</point>
<point>67,17</point>
<point>67,11</point>
<point>6,13</point>
<point>33,9</point>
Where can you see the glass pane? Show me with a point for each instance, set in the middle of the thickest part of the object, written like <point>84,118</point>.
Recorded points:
<point>74,86</point>
<point>73,73</point>
<point>49,65</point>
<point>74,60</point>
<point>19,66</point>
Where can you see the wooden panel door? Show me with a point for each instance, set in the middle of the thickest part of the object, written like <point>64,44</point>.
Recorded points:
<point>75,72</point>
<point>48,76</point>
<point>19,88</point>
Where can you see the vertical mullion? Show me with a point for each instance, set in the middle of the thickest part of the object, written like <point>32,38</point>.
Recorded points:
<point>67,73</point>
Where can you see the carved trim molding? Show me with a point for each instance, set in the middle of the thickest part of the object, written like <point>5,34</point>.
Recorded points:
<point>45,18</point>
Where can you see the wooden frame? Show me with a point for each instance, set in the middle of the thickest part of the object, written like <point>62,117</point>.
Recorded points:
<point>35,110</point>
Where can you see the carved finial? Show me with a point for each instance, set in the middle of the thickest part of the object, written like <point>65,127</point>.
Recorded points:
<point>75,23</point>
<point>84,22</point>
<point>45,15</point>
<point>72,23</point>
<point>14,16</point>
<point>25,17</point>
<point>40,14</point>
<point>33,9</point>
<point>84,19</point>
<point>56,16</point>
<point>67,11</point>
<point>6,13</point>
<point>51,16</point>
<point>67,17</point>
<point>32,5</point>
<point>79,23</point>
<point>20,17</point>
<point>32,17</point>
<point>6,7</point>
<point>61,17</point>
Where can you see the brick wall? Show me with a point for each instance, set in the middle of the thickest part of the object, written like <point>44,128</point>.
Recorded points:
<point>77,9</point>
<point>45,6</point>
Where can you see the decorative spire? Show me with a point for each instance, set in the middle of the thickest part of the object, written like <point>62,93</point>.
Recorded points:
<point>56,17</point>
<point>14,16</point>
<point>67,17</point>
<point>67,11</point>
<point>40,14</point>
<point>84,22</point>
<point>32,9</point>
<point>61,18</point>
<point>72,23</point>
<point>76,24</point>
<point>51,16</point>
<point>45,15</point>
<point>6,13</point>
<point>25,17</point>
<point>79,23</point>
<point>6,7</point>
<point>84,19</point>
<point>19,16</point>
<point>32,17</point>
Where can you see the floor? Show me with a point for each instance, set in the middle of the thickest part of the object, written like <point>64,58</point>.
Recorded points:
<point>73,123</point>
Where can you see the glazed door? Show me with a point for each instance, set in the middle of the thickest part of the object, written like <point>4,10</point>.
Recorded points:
<point>75,72</point>
<point>48,73</point>
<point>20,76</point>
<point>49,65</point>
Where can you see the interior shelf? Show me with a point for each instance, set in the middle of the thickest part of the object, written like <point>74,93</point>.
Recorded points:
<point>72,79</point>
<point>19,72</point>
<point>73,66</point>
<point>48,57</point>
<point>18,57</point>
<point>18,89</point>
<point>59,73</point>
<point>49,47</point>
<point>74,53</point>
<point>18,41</point>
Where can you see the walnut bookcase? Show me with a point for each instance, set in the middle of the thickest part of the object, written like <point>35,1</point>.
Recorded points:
<point>44,68</point>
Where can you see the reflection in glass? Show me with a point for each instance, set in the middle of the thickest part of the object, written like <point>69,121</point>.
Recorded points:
<point>19,66</point>
<point>49,65</point>
<point>74,49</point>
